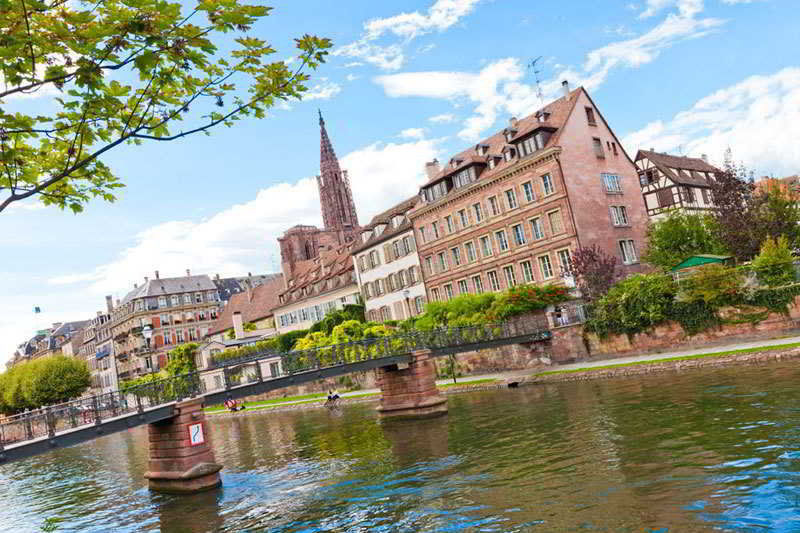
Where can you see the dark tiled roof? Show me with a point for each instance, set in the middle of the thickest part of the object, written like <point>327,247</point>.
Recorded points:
<point>386,218</point>
<point>229,286</point>
<point>69,328</point>
<point>259,304</point>
<point>681,170</point>
<point>162,286</point>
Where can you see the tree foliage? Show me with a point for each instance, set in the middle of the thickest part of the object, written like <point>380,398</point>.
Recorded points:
<point>679,235</point>
<point>45,381</point>
<point>773,265</point>
<point>594,270</point>
<point>126,72</point>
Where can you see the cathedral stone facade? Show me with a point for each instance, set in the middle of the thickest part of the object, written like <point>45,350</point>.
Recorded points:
<point>302,243</point>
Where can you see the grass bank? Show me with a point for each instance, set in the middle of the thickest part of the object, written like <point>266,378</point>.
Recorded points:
<point>321,396</point>
<point>670,359</point>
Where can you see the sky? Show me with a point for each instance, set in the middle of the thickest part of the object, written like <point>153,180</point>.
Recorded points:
<point>407,81</point>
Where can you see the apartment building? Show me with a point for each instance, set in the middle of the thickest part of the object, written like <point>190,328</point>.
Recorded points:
<point>670,182</point>
<point>388,267</point>
<point>155,317</point>
<point>512,208</point>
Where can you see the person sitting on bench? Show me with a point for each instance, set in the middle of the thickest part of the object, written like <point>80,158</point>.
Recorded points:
<point>233,405</point>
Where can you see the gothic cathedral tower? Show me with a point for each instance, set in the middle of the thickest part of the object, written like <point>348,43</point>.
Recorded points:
<point>335,197</point>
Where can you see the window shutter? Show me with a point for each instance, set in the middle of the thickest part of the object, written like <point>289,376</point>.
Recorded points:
<point>387,252</point>
<point>614,218</point>
<point>398,310</point>
<point>412,244</point>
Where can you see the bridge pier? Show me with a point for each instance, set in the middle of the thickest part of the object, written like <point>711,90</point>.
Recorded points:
<point>181,458</point>
<point>411,392</point>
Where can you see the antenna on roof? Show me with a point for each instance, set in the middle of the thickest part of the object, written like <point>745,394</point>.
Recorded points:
<point>532,65</point>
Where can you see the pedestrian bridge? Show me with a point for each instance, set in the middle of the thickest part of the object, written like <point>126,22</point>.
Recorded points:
<point>77,421</point>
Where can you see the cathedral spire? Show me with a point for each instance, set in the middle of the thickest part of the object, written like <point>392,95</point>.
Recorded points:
<point>336,199</point>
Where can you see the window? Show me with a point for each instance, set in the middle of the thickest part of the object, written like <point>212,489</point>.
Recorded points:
<point>449,221</point>
<point>274,370</point>
<point>704,193</point>
<point>511,199</point>
<point>401,279</point>
<point>470,247</point>
<point>442,262</point>
<point>612,183</point>
<point>397,250</point>
<point>162,301</point>
<point>148,363</point>
<point>494,283</point>
<point>390,283</point>
<point>192,334</point>
<point>547,185</point>
<point>435,226</point>
<point>198,297</point>
<point>477,283</point>
<point>180,335</point>
<point>486,246</point>
<point>493,206</point>
<point>167,337</point>
<point>628,251</point>
<point>511,278</point>
<point>556,225</point>
<point>456,256</point>
<point>187,298</point>
<point>527,147</point>
<point>428,265</point>
<point>687,195</point>
<point>527,189</point>
<point>476,209</point>
<point>527,271</point>
<point>422,235</point>
<point>545,267</point>
<point>536,229</point>
<point>435,294</point>
<point>164,320</point>
<point>175,300</point>
<point>412,275</point>
<point>362,263</point>
<point>464,177</point>
<point>374,259</point>
<point>408,246</point>
<point>665,197</point>
<point>386,313</point>
<point>519,234</point>
<point>598,148</point>
<point>614,148</point>
<point>419,304</point>
<point>564,261</point>
<point>462,287</point>
<point>448,291</point>
<point>590,116</point>
<point>502,240</point>
<point>619,215</point>
<point>463,219</point>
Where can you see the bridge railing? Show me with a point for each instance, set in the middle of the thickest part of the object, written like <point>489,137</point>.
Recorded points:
<point>93,410</point>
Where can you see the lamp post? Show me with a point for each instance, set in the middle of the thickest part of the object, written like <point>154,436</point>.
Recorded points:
<point>406,294</point>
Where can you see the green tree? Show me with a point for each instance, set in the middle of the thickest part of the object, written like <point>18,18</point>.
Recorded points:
<point>45,381</point>
<point>182,360</point>
<point>773,265</point>
<point>127,72</point>
<point>679,235</point>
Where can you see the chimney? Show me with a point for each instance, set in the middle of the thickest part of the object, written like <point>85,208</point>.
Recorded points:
<point>249,289</point>
<point>135,286</point>
<point>565,87</point>
<point>432,168</point>
<point>704,157</point>
<point>146,279</point>
<point>513,122</point>
<point>249,274</point>
<point>238,327</point>
<point>652,149</point>
<point>157,274</point>
<point>216,277</point>
<point>188,273</point>
<point>109,304</point>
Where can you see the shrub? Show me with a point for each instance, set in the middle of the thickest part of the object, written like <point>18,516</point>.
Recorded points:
<point>595,271</point>
<point>524,299</point>
<point>773,265</point>
<point>679,235</point>
<point>713,284</point>
<point>633,305</point>
<point>45,381</point>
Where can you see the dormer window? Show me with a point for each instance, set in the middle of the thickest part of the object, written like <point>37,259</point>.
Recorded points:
<point>492,164</point>
<point>509,133</point>
<point>365,236</point>
<point>379,229</point>
<point>509,152</point>
<point>542,116</point>
<point>397,220</point>
<point>482,149</point>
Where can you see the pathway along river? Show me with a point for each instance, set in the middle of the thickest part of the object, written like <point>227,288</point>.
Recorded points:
<point>706,450</point>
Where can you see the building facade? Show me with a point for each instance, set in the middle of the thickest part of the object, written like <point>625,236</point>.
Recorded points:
<point>670,182</point>
<point>157,316</point>
<point>513,208</point>
<point>388,267</point>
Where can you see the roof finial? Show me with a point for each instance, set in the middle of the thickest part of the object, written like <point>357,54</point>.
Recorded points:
<point>321,121</point>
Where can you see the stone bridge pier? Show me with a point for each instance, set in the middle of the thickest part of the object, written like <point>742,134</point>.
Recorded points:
<point>181,458</point>
<point>410,392</point>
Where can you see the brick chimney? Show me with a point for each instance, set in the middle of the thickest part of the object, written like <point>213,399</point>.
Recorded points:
<point>565,88</point>
<point>704,157</point>
<point>432,168</point>
<point>238,326</point>
<point>249,288</point>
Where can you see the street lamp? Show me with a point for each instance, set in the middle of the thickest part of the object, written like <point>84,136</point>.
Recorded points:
<point>406,294</point>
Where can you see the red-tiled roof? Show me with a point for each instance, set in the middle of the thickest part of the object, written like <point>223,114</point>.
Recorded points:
<point>558,110</point>
<point>680,169</point>
<point>256,305</point>
<point>329,265</point>
<point>386,218</point>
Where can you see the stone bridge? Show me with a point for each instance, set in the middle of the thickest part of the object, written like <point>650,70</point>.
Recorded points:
<point>181,459</point>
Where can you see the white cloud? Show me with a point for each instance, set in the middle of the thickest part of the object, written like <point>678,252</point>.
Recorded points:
<point>687,8</point>
<point>444,118</point>
<point>759,118</point>
<point>442,15</point>
<point>323,91</point>
<point>498,87</point>
<point>732,2</point>
<point>354,64</point>
<point>352,77</point>
<point>243,237</point>
<point>413,133</point>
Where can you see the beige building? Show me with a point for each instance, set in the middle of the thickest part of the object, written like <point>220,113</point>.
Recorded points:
<point>387,266</point>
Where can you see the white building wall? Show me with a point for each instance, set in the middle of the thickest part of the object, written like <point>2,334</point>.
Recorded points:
<point>293,316</point>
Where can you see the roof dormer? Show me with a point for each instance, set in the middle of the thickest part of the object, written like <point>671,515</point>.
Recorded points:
<point>397,220</point>
<point>542,116</point>
<point>493,160</point>
<point>482,149</point>
<point>509,133</point>
<point>365,236</point>
<point>379,229</point>
<point>455,162</point>
<point>509,152</point>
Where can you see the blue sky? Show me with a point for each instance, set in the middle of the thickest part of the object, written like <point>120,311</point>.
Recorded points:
<point>408,81</point>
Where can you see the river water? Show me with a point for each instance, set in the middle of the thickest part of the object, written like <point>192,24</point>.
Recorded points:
<point>707,450</point>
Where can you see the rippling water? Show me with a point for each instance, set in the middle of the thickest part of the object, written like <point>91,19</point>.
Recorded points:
<point>711,450</point>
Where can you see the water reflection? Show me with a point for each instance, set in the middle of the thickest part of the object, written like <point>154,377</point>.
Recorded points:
<point>716,449</point>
